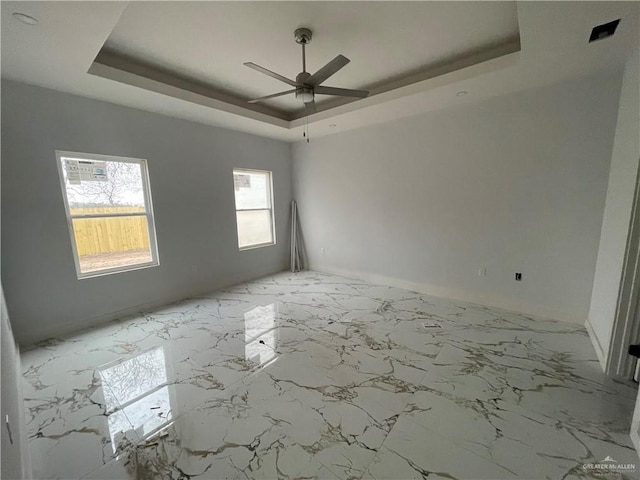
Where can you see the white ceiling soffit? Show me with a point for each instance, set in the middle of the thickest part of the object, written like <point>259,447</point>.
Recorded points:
<point>185,59</point>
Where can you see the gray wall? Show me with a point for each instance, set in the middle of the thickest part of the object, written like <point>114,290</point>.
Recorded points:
<point>15,464</point>
<point>510,184</point>
<point>617,212</point>
<point>190,168</point>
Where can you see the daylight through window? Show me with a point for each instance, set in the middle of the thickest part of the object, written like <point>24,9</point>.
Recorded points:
<point>109,212</point>
<point>254,210</point>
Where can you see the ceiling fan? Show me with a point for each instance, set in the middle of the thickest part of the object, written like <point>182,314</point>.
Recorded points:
<point>307,86</point>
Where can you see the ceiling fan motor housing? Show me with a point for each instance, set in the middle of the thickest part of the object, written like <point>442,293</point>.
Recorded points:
<point>304,93</point>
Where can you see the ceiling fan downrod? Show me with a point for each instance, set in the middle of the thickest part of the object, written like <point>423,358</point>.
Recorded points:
<point>304,93</point>
<point>303,37</point>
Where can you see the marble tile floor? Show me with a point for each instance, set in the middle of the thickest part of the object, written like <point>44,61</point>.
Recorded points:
<point>308,375</point>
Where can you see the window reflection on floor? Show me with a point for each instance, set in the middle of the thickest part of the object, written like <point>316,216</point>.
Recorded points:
<point>137,395</point>
<point>261,334</point>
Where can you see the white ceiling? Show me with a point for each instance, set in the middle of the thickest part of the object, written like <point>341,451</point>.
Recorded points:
<point>427,50</point>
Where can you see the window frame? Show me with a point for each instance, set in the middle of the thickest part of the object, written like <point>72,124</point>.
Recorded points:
<point>148,213</point>
<point>271,208</point>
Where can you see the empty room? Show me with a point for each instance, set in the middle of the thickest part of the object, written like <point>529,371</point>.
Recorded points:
<point>320,240</point>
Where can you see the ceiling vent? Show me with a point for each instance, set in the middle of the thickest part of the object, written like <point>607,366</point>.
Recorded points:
<point>603,31</point>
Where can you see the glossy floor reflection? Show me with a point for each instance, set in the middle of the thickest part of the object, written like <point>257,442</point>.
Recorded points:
<point>317,376</point>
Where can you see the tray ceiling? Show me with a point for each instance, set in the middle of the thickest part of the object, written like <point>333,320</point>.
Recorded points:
<point>185,59</point>
<point>387,42</point>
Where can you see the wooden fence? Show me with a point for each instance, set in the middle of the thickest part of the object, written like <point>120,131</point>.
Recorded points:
<point>110,235</point>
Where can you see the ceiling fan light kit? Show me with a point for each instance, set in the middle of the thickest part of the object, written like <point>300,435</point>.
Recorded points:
<point>307,86</point>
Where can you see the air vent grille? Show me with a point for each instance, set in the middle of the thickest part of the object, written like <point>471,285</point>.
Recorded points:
<point>603,31</point>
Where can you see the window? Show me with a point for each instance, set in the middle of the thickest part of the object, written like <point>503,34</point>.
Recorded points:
<point>254,210</point>
<point>109,212</point>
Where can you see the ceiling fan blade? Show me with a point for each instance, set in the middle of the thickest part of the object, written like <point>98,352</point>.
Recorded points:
<point>275,75</point>
<point>310,107</point>
<point>343,92</point>
<point>279,94</point>
<point>329,69</point>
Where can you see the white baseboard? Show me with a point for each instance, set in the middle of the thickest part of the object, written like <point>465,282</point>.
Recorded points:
<point>602,356</point>
<point>28,340</point>
<point>456,294</point>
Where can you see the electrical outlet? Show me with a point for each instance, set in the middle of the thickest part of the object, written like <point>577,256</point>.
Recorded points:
<point>482,272</point>
<point>322,251</point>
<point>518,277</point>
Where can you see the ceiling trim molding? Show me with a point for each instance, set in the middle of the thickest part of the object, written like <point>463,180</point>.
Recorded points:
<point>418,81</point>
<point>503,62</point>
<point>125,70</point>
